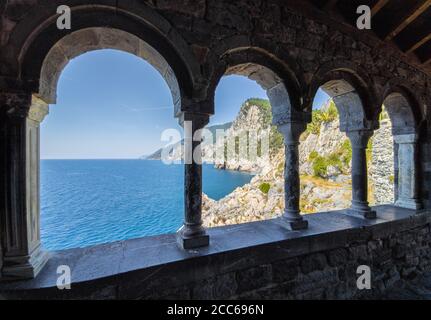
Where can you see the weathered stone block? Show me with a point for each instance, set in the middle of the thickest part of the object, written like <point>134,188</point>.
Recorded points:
<point>285,270</point>
<point>253,278</point>
<point>313,262</point>
<point>337,257</point>
<point>358,252</point>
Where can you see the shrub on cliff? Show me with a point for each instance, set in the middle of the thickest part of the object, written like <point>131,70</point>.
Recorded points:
<point>320,167</point>
<point>265,187</point>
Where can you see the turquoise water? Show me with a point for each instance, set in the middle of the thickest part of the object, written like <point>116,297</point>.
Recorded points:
<point>88,202</point>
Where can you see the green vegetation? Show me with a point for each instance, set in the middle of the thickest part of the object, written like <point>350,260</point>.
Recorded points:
<point>322,116</point>
<point>369,151</point>
<point>276,140</point>
<point>312,156</point>
<point>339,159</point>
<point>346,152</point>
<point>320,167</point>
<point>264,106</point>
<point>265,187</point>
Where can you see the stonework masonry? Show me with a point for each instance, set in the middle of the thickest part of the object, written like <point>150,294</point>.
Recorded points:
<point>319,265</point>
<point>288,47</point>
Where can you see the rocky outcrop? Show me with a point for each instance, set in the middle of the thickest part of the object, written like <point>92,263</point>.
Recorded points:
<point>254,115</point>
<point>263,198</point>
<point>325,162</point>
<point>381,169</point>
<point>175,151</point>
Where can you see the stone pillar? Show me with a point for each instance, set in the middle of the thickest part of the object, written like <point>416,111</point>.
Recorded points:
<point>359,141</point>
<point>292,216</point>
<point>192,234</point>
<point>20,212</point>
<point>408,195</point>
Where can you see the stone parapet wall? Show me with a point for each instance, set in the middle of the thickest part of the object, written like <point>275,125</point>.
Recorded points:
<point>288,47</point>
<point>323,275</point>
<point>319,264</point>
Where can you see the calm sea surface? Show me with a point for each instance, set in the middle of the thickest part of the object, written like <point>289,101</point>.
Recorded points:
<point>88,202</point>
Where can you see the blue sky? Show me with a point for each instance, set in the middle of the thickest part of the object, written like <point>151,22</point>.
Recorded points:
<point>112,104</point>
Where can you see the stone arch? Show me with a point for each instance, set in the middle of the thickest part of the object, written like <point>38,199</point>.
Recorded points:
<point>351,92</point>
<point>90,39</point>
<point>145,34</point>
<point>282,85</point>
<point>402,107</point>
<point>405,117</point>
<point>283,89</point>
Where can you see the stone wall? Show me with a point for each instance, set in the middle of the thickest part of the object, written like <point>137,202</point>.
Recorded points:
<point>332,274</point>
<point>323,275</point>
<point>289,48</point>
<point>253,261</point>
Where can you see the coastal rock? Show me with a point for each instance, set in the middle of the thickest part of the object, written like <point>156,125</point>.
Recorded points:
<point>253,202</point>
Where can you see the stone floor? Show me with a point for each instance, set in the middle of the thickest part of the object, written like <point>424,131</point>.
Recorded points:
<point>419,289</point>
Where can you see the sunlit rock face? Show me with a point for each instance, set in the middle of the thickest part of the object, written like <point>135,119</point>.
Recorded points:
<point>263,197</point>
<point>381,170</point>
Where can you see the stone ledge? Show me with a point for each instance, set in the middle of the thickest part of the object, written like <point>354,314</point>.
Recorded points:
<point>129,268</point>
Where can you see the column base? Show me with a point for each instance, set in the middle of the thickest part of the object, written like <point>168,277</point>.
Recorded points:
<point>24,267</point>
<point>408,204</point>
<point>362,210</point>
<point>187,242</point>
<point>294,224</point>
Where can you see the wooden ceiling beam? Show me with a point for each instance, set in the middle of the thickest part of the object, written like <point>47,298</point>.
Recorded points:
<point>409,19</point>
<point>378,6</point>
<point>419,43</point>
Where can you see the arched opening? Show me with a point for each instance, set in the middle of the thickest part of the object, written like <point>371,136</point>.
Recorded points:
<point>89,39</point>
<point>146,214</point>
<point>393,170</point>
<point>253,143</point>
<point>325,159</point>
<point>22,245</point>
<point>96,186</point>
<point>341,132</point>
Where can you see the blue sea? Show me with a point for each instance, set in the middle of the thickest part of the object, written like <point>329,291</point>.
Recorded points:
<point>88,202</point>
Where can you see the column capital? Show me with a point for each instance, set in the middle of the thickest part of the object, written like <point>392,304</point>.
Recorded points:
<point>291,131</point>
<point>23,105</point>
<point>359,138</point>
<point>15,104</point>
<point>406,138</point>
<point>38,110</point>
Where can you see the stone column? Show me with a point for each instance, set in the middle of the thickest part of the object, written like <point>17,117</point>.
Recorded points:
<point>292,216</point>
<point>408,195</point>
<point>359,141</point>
<point>20,213</point>
<point>192,234</point>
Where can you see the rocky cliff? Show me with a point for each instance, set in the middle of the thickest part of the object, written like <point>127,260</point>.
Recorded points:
<point>176,150</point>
<point>325,161</point>
<point>253,127</point>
